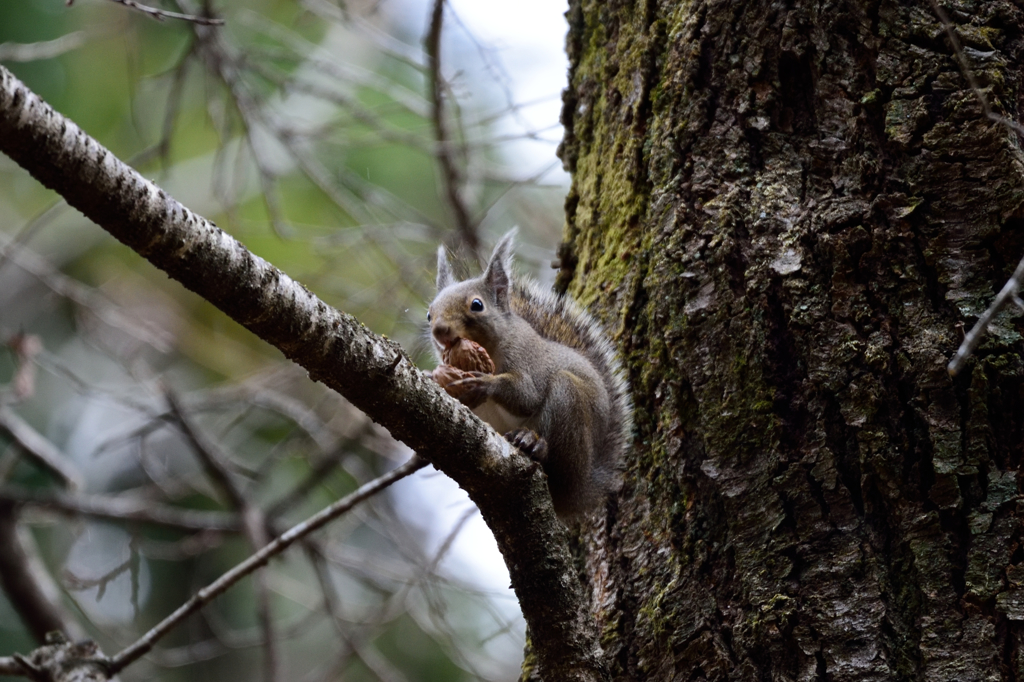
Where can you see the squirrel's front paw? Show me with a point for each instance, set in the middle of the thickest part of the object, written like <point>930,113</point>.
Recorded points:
<point>471,391</point>
<point>446,375</point>
<point>530,443</point>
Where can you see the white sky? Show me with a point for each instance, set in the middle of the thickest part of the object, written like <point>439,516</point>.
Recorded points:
<point>527,38</point>
<point>515,44</point>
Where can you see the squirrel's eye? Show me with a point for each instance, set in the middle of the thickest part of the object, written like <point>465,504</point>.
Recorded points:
<point>428,316</point>
<point>476,305</point>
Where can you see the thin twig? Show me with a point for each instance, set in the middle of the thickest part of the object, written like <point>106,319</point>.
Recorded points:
<point>218,59</point>
<point>450,539</point>
<point>207,452</point>
<point>45,49</point>
<point>1009,290</point>
<point>316,476</point>
<point>41,449</point>
<point>29,229</point>
<point>973,338</point>
<point>174,97</point>
<point>77,583</point>
<point>253,523</point>
<point>266,391</point>
<point>388,45</point>
<point>93,300</point>
<point>363,650</point>
<point>161,14</point>
<point>265,617</point>
<point>223,642</point>
<point>451,176</point>
<point>352,195</point>
<point>28,585</point>
<point>376,124</point>
<point>119,661</point>
<point>320,59</point>
<point>125,509</point>
<point>968,72</point>
<point>429,584</point>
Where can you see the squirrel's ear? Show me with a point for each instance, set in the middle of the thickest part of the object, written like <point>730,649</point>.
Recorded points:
<point>444,270</point>
<point>499,270</point>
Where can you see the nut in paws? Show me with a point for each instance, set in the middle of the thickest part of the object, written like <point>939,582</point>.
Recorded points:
<point>469,356</point>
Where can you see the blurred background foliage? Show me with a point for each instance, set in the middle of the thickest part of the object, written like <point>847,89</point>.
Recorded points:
<point>306,129</point>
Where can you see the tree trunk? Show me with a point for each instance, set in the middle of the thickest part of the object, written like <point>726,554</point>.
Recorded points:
<point>792,209</point>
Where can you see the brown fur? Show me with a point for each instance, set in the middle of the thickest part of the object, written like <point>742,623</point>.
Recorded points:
<point>555,375</point>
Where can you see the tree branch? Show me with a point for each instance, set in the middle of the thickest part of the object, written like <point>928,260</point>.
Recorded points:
<point>451,177</point>
<point>10,666</point>
<point>41,450</point>
<point>28,586</point>
<point>61,661</point>
<point>161,14</point>
<point>254,523</point>
<point>1009,290</point>
<point>44,49</point>
<point>124,509</point>
<point>373,373</point>
<point>973,337</point>
<point>259,559</point>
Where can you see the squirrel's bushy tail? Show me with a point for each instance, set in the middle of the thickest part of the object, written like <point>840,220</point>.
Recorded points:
<point>561,319</point>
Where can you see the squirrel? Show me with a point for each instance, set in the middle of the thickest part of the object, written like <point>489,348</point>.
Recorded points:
<point>557,392</point>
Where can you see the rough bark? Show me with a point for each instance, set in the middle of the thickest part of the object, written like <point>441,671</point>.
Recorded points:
<point>796,206</point>
<point>59,661</point>
<point>370,371</point>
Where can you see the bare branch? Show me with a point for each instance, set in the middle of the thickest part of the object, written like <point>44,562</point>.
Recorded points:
<point>63,661</point>
<point>253,522</point>
<point>260,392</point>
<point>124,509</point>
<point>316,56</point>
<point>365,652</point>
<point>46,49</point>
<point>358,112</point>
<point>163,148</point>
<point>260,558</point>
<point>351,194</point>
<point>40,448</point>
<point>314,478</point>
<point>28,585</point>
<point>88,298</point>
<point>76,582</point>
<point>222,64</point>
<point>208,453</point>
<point>968,72</point>
<point>24,348</point>
<point>1009,290</point>
<point>451,176</point>
<point>973,337</point>
<point>161,14</point>
<point>11,666</point>
<point>387,44</point>
<point>31,228</point>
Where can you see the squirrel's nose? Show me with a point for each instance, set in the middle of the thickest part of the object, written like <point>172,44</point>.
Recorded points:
<point>443,334</point>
